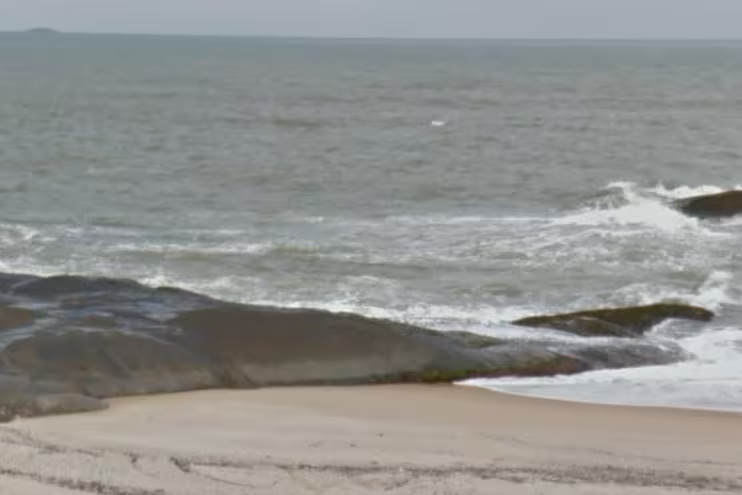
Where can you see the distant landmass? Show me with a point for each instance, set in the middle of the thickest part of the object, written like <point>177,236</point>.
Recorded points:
<point>42,30</point>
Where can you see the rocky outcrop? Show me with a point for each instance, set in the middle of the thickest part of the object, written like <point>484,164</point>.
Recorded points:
<point>617,322</point>
<point>721,205</point>
<point>251,345</point>
<point>107,364</point>
<point>241,346</point>
<point>67,342</point>
<point>20,396</point>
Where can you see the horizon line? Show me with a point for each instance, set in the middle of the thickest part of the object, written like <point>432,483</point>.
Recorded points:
<point>30,31</point>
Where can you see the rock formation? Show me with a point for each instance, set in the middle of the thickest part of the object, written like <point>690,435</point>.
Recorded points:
<point>617,322</point>
<point>67,342</point>
<point>721,205</point>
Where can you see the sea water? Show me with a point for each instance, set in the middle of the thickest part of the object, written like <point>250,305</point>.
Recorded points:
<point>456,185</point>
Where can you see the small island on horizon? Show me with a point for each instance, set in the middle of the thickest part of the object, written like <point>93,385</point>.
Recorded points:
<point>42,30</point>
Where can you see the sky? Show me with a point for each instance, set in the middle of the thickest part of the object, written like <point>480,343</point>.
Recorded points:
<point>571,19</point>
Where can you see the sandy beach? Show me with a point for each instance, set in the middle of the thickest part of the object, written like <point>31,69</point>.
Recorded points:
<point>403,439</point>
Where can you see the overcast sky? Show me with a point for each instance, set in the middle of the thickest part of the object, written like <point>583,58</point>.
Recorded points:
<point>387,18</point>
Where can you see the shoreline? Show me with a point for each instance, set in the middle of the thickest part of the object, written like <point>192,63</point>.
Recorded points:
<point>398,439</point>
<point>501,394</point>
<point>607,404</point>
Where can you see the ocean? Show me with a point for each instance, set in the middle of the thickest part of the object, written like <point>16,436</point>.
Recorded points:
<point>457,185</point>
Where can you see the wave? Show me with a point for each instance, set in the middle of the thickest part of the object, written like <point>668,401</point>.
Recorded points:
<point>709,379</point>
<point>624,227</point>
<point>682,192</point>
<point>626,204</point>
<point>207,249</point>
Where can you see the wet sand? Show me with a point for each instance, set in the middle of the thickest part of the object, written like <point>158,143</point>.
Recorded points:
<point>396,439</point>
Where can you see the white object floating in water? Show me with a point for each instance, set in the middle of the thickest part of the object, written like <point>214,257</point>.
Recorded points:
<point>438,123</point>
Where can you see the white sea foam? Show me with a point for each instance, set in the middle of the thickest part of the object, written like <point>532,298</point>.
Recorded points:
<point>643,212</point>
<point>630,207</point>
<point>711,293</point>
<point>13,233</point>
<point>709,380</point>
<point>682,192</point>
<point>207,249</point>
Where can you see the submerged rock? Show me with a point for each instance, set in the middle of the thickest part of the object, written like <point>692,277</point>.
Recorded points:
<point>627,354</point>
<point>534,359</point>
<point>616,322</point>
<point>721,205</point>
<point>70,285</point>
<point>91,338</point>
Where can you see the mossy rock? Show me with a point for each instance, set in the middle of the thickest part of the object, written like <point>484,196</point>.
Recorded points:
<point>474,340</point>
<point>721,205</point>
<point>616,322</point>
<point>551,365</point>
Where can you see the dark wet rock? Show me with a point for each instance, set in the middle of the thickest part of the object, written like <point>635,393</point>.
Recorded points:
<point>518,359</point>
<point>178,294</point>
<point>71,341</point>
<point>475,340</point>
<point>616,322</point>
<point>67,285</point>
<point>271,346</point>
<point>97,322</point>
<point>721,205</point>
<point>248,346</point>
<point>534,359</point>
<point>627,354</point>
<point>101,364</point>
<point>8,281</point>
<point>20,397</point>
